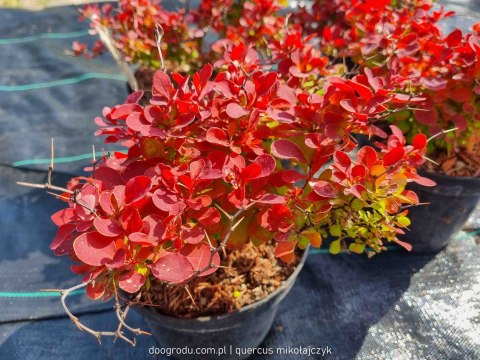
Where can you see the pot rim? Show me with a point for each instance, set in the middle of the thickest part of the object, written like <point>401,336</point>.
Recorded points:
<point>243,309</point>
<point>448,177</point>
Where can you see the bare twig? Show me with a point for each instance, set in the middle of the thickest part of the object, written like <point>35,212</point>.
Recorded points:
<point>48,185</point>
<point>109,43</point>
<point>441,133</point>
<point>121,315</point>
<point>158,39</point>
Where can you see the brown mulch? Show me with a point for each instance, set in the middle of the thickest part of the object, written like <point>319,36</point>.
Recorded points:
<point>246,276</point>
<point>459,163</point>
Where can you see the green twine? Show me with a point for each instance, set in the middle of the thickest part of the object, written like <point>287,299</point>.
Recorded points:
<point>29,38</point>
<point>66,159</point>
<point>37,294</point>
<point>68,81</point>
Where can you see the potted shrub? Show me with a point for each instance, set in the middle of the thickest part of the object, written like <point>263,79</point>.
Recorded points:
<point>143,33</point>
<point>404,40</point>
<point>223,174</point>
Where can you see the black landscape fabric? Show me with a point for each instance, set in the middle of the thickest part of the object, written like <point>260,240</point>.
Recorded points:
<point>394,306</point>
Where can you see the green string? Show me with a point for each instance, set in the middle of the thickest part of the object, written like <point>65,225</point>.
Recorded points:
<point>37,294</point>
<point>66,159</point>
<point>69,81</point>
<point>29,38</point>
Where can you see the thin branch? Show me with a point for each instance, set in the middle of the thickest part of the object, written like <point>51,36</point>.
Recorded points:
<point>158,39</point>
<point>50,168</point>
<point>432,161</point>
<point>214,250</point>
<point>441,133</point>
<point>44,186</point>
<point>64,294</point>
<point>109,43</point>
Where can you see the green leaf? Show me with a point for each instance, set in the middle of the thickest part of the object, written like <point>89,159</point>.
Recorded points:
<point>336,230</point>
<point>335,247</point>
<point>357,204</point>
<point>404,221</point>
<point>357,248</point>
<point>303,242</point>
<point>141,269</point>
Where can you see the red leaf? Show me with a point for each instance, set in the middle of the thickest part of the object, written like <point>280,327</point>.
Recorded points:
<point>134,97</point>
<point>424,181</point>
<point>217,136</point>
<point>110,177</point>
<point>235,111</point>
<point>210,216</point>
<point>284,248</point>
<point>264,83</point>
<point>63,216</point>
<point>63,233</point>
<point>251,172</point>
<point>454,38</point>
<point>419,141</point>
<point>271,199</point>
<point>460,122</point>
<point>196,168</point>
<point>192,235</point>
<point>172,268</point>
<point>267,162</point>
<point>95,290</point>
<point>199,256</point>
<point>161,84</point>
<point>367,156</point>
<point>393,156</point>
<point>131,282</point>
<point>356,190</point>
<point>324,189</point>
<point>347,105</point>
<point>122,111</point>
<point>131,220</point>
<point>111,201</point>
<point>362,90</point>
<point>199,202</point>
<point>153,226</point>
<point>137,188</point>
<point>342,160</point>
<point>168,202</point>
<point>118,259</point>
<point>94,249</point>
<point>107,227</point>
<point>285,149</point>
<point>200,79</point>
<point>141,238</point>
<point>433,83</point>
<point>359,171</point>
<point>404,244</point>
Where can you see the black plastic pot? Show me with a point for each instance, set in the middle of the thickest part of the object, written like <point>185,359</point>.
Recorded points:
<point>450,204</point>
<point>226,336</point>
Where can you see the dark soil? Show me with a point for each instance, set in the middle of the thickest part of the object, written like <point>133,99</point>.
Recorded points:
<point>459,163</point>
<point>246,276</point>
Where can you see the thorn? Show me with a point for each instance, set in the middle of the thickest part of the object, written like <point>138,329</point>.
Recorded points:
<point>208,239</point>
<point>441,133</point>
<point>224,212</point>
<point>238,223</point>
<point>158,37</point>
<point>432,161</point>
